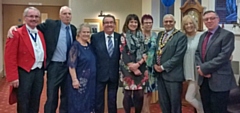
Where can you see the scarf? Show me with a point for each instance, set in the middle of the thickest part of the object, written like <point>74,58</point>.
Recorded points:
<point>135,44</point>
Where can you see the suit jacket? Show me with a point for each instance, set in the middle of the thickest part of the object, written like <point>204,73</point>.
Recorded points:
<point>51,29</point>
<point>19,53</point>
<point>172,57</point>
<point>216,61</point>
<point>107,67</point>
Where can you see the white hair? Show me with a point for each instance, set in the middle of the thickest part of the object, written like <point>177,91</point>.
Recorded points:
<point>169,15</point>
<point>64,7</point>
<point>81,26</point>
<point>25,12</point>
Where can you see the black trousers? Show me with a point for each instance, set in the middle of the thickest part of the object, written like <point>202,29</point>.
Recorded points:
<point>29,90</point>
<point>56,79</point>
<point>213,102</point>
<point>112,88</point>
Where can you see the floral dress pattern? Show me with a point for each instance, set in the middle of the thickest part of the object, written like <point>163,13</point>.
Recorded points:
<point>132,48</point>
<point>81,58</point>
<point>151,84</point>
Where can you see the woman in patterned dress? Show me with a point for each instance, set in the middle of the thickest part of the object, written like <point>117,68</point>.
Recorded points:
<point>82,68</point>
<point>132,63</point>
<point>150,42</point>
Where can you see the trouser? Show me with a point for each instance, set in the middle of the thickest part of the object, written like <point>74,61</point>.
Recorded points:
<point>56,79</point>
<point>169,95</point>
<point>213,102</point>
<point>29,90</point>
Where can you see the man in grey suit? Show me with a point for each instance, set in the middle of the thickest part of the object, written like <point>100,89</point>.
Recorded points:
<point>216,78</point>
<point>172,45</point>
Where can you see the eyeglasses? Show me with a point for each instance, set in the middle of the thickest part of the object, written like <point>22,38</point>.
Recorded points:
<point>147,23</point>
<point>111,22</point>
<point>33,16</point>
<point>210,18</point>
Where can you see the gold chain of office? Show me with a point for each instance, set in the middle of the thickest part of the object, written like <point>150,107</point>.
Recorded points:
<point>162,44</point>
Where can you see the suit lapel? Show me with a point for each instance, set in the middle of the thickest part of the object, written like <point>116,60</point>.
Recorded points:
<point>27,40</point>
<point>169,41</point>
<point>73,32</point>
<point>214,37</point>
<point>158,39</point>
<point>201,42</point>
<point>43,43</point>
<point>103,43</point>
<point>115,43</point>
<point>57,30</point>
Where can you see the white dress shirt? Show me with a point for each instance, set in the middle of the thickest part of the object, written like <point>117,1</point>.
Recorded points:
<point>37,48</point>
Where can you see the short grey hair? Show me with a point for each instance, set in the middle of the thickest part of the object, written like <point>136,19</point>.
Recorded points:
<point>169,15</point>
<point>81,26</point>
<point>64,7</point>
<point>25,12</point>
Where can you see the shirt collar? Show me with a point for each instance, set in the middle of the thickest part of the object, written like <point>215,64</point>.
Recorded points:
<point>31,30</point>
<point>106,35</point>
<point>214,30</point>
<point>64,25</point>
<point>169,32</point>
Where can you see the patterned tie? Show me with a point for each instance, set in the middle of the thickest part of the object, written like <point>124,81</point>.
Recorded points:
<point>204,45</point>
<point>110,46</point>
<point>165,38</point>
<point>158,59</point>
<point>68,39</point>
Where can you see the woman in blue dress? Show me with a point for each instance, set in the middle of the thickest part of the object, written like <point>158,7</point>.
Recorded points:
<point>82,79</point>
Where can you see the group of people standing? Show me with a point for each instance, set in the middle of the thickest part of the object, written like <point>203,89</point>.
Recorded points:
<point>148,62</point>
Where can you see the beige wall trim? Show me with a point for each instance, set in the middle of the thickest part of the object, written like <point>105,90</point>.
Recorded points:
<point>36,2</point>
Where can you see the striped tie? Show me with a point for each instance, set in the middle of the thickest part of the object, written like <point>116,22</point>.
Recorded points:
<point>110,46</point>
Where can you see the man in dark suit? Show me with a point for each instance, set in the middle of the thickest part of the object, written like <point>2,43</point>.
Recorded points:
<point>58,34</point>
<point>25,59</point>
<point>106,47</point>
<point>171,47</point>
<point>216,78</point>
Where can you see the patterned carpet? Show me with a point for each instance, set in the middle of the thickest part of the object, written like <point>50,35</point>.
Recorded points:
<point>6,108</point>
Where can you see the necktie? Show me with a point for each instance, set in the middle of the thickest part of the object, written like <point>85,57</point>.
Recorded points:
<point>158,59</point>
<point>204,45</point>
<point>110,46</point>
<point>68,39</point>
<point>165,38</point>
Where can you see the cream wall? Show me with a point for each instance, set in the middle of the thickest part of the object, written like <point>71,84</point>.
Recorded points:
<point>90,9</point>
<point>36,2</point>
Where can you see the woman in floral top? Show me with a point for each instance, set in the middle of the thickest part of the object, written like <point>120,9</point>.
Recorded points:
<point>133,66</point>
<point>150,42</point>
